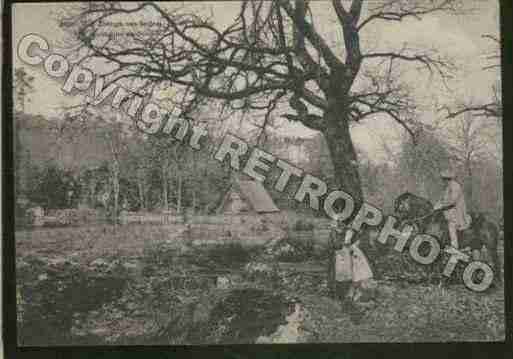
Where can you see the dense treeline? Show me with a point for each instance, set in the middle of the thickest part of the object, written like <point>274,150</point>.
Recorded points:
<point>162,174</point>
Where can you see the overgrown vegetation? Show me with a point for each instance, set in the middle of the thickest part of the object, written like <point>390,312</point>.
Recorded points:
<point>148,285</point>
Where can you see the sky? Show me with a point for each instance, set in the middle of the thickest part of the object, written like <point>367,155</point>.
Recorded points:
<point>459,37</point>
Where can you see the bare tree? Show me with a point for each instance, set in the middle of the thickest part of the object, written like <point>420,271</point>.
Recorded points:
<point>475,137</point>
<point>75,125</point>
<point>470,144</point>
<point>167,154</point>
<point>271,55</point>
<point>492,108</point>
<point>420,163</point>
<point>116,146</point>
<point>23,86</point>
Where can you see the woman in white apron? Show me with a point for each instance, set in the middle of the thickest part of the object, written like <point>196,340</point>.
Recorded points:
<point>348,265</point>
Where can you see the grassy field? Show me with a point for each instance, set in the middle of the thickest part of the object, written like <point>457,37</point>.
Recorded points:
<point>151,296</point>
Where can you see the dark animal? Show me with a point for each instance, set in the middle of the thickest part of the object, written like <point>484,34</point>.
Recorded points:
<point>410,206</point>
<point>406,207</point>
<point>482,232</point>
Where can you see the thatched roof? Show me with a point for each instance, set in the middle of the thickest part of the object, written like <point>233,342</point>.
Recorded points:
<point>254,194</point>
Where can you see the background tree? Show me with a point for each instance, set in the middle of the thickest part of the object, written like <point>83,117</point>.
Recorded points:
<point>116,145</point>
<point>23,86</point>
<point>49,185</point>
<point>469,144</point>
<point>116,138</point>
<point>492,108</point>
<point>271,55</point>
<point>420,163</point>
<point>478,134</point>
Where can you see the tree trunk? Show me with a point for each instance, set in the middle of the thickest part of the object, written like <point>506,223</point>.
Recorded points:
<point>343,155</point>
<point>19,190</point>
<point>345,166</point>
<point>92,192</point>
<point>115,188</point>
<point>468,183</point>
<point>194,199</point>
<point>140,188</point>
<point>179,194</point>
<point>165,166</point>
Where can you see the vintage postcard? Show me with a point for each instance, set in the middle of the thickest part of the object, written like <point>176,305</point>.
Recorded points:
<point>257,172</point>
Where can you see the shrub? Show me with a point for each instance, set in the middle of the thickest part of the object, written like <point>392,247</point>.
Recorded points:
<point>226,255</point>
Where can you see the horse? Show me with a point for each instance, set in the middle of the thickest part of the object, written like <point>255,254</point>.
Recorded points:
<point>409,206</point>
<point>481,233</point>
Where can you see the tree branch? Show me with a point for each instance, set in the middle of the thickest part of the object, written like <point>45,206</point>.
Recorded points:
<point>313,37</point>
<point>397,10</point>
<point>486,110</point>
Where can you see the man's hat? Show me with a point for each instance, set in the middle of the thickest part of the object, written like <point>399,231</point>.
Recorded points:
<point>447,174</point>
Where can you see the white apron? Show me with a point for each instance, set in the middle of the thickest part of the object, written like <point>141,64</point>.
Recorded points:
<point>351,264</point>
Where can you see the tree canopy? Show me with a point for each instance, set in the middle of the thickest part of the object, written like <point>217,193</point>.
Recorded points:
<point>270,57</point>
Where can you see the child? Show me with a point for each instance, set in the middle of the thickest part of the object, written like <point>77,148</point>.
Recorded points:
<point>349,267</point>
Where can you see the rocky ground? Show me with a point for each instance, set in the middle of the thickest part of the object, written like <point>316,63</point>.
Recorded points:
<point>96,287</point>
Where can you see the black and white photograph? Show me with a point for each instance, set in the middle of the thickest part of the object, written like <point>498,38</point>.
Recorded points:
<point>257,172</point>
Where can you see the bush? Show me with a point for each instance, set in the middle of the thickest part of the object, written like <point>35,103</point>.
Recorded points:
<point>292,248</point>
<point>52,291</point>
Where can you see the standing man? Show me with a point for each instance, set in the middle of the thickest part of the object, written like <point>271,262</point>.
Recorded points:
<point>457,217</point>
